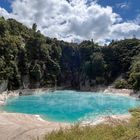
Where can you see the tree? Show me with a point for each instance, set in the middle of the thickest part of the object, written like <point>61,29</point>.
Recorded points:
<point>34,27</point>
<point>35,72</point>
<point>3,26</point>
<point>134,77</point>
<point>95,68</point>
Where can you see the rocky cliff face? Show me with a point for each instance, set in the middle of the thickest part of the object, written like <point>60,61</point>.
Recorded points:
<point>3,86</point>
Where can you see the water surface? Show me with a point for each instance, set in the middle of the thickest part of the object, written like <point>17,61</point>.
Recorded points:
<point>71,106</point>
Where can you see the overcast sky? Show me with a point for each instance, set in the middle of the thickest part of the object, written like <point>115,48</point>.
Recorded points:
<point>77,20</point>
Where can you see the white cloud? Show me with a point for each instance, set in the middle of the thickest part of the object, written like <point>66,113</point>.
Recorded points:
<point>137,19</point>
<point>123,5</point>
<point>4,13</point>
<point>72,19</point>
<point>127,30</point>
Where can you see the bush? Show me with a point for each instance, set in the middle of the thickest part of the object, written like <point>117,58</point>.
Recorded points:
<point>134,80</point>
<point>120,84</point>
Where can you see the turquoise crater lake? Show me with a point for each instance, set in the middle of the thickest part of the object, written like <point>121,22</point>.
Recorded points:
<point>71,106</point>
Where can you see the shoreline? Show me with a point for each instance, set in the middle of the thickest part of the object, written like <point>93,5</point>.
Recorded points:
<point>107,90</point>
<point>25,92</point>
<point>109,119</point>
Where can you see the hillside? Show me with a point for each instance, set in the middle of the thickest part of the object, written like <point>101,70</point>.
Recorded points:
<point>28,59</point>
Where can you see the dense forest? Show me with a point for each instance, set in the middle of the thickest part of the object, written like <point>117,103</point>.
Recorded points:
<point>29,59</point>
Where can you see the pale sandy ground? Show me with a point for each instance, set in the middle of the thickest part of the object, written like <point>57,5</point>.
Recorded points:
<point>15,126</point>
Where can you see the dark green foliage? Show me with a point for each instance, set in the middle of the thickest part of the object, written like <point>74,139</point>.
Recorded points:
<point>96,66</point>
<point>120,84</point>
<point>26,52</point>
<point>35,72</point>
<point>3,26</point>
<point>34,27</point>
<point>134,77</point>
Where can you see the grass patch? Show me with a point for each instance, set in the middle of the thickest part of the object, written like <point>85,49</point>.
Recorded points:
<point>127,131</point>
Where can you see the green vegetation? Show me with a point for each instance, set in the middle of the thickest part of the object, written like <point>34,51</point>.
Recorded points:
<point>134,78</point>
<point>120,84</point>
<point>27,54</point>
<point>124,131</point>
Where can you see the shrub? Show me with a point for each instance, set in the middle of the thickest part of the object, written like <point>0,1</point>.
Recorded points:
<point>120,84</point>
